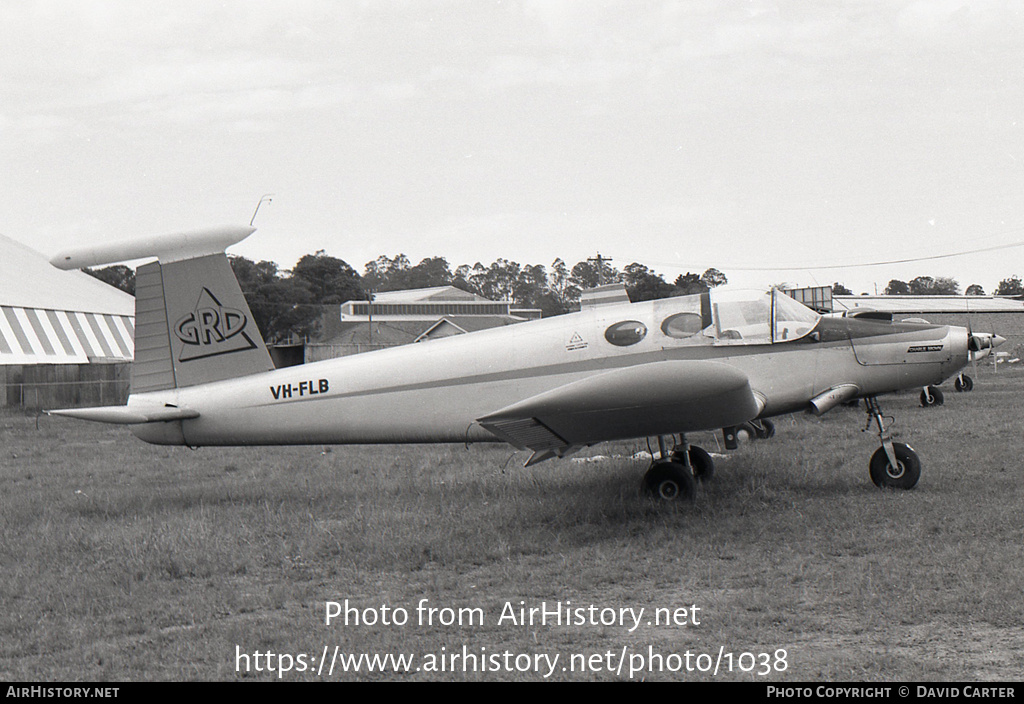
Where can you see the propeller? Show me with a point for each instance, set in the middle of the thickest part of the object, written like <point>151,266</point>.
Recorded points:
<point>981,344</point>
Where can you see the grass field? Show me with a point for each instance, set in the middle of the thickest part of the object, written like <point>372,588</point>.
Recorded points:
<point>124,561</point>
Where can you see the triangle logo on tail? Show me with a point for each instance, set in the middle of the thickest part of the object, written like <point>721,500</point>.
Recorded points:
<point>211,329</point>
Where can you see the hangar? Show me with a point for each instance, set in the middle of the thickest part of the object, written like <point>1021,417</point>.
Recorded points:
<point>66,338</point>
<point>403,317</point>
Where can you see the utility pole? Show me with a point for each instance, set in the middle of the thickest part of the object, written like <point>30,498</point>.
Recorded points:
<point>600,261</point>
<point>369,315</point>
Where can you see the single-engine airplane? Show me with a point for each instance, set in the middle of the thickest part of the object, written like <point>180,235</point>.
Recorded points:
<point>658,369</point>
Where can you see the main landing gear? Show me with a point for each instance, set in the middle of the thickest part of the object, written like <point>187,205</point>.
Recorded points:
<point>673,476</point>
<point>894,465</point>
<point>932,396</point>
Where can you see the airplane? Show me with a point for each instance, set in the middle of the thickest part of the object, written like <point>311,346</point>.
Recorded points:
<point>932,395</point>
<point>615,370</point>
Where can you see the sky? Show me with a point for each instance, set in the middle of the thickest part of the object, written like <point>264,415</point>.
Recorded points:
<point>771,140</point>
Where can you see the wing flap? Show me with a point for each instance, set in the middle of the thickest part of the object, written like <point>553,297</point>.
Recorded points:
<point>659,398</point>
<point>526,433</point>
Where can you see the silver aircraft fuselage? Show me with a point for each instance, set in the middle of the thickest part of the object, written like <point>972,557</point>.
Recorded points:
<point>435,391</point>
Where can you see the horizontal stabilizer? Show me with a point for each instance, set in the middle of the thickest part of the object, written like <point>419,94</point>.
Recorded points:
<point>659,398</point>
<point>167,248</point>
<point>123,415</point>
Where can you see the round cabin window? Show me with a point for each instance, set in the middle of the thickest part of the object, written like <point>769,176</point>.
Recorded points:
<point>682,325</point>
<point>628,332</point>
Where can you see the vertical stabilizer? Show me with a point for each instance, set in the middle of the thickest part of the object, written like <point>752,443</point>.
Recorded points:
<point>193,326</point>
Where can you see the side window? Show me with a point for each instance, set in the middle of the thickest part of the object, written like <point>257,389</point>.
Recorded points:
<point>682,325</point>
<point>628,332</point>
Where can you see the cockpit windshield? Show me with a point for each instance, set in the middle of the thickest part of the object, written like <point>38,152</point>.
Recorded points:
<point>751,318</point>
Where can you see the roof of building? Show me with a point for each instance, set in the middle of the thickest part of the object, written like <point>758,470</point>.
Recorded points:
<point>398,332</point>
<point>434,294</point>
<point>929,304</point>
<point>49,316</point>
<point>28,280</point>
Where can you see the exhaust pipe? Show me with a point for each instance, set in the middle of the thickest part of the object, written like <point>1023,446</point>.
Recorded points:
<point>825,402</point>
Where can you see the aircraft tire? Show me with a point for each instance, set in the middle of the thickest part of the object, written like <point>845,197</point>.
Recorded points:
<point>669,481</point>
<point>931,396</point>
<point>745,432</point>
<point>905,476</point>
<point>964,383</point>
<point>701,463</point>
<point>767,430</point>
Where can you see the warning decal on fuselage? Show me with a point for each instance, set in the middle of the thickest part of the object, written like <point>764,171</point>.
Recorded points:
<point>576,342</point>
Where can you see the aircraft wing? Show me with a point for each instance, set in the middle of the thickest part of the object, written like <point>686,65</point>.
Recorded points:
<point>658,398</point>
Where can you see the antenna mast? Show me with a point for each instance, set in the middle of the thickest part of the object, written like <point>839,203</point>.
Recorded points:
<point>266,197</point>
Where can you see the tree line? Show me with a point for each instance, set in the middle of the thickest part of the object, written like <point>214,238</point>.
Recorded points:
<point>288,304</point>
<point>939,286</point>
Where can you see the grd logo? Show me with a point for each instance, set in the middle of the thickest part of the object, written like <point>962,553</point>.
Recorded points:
<point>211,329</point>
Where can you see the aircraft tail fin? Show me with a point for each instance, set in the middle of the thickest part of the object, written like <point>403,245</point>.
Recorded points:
<point>192,324</point>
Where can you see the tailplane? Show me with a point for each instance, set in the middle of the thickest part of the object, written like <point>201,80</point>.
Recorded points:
<point>192,324</point>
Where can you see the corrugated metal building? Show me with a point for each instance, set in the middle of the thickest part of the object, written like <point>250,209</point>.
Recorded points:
<point>66,338</point>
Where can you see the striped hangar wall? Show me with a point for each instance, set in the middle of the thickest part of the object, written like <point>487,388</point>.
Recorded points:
<point>36,336</point>
<point>66,338</point>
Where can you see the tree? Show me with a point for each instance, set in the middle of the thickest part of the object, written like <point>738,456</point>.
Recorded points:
<point>288,310</point>
<point>281,307</point>
<point>713,277</point>
<point>562,293</point>
<point>928,286</point>
<point>974,290</point>
<point>839,290</point>
<point>396,274</point>
<point>587,275</point>
<point>251,275</point>
<point>688,283</point>
<point>1010,287</point>
<point>642,284</point>
<point>119,276</point>
<point>330,279</point>
<point>429,272</point>
<point>896,288</point>
<point>531,286</point>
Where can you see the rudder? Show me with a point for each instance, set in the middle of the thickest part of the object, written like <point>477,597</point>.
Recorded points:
<point>193,326</point>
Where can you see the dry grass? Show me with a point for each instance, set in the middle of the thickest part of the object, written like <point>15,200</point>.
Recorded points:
<point>123,561</point>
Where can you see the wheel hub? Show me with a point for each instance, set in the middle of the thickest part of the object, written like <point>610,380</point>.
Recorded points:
<point>895,472</point>
<point>668,490</point>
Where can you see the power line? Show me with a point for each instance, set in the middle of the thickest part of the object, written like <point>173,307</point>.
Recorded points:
<point>879,263</point>
<point>818,267</point>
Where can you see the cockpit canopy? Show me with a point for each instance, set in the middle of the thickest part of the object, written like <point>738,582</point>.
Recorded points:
<point>736,317</point>
<point>752,318</point>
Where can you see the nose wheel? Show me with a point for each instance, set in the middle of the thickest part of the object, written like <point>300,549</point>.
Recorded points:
<point>903,475</point>
<point>963,383</point>
<point>894,465</point>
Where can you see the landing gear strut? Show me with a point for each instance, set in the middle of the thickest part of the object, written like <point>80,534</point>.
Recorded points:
<point>963,383</point>
<point>673,476</point>
<point>894,465</point>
